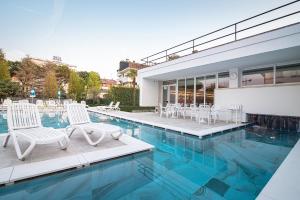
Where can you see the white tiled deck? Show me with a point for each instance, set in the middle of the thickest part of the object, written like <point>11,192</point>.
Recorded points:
<point>284,184</point>
<point>47,159</point>
<point>181,125</point>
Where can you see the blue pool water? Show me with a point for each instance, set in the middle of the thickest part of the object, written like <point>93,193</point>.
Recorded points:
<point>234,165</point>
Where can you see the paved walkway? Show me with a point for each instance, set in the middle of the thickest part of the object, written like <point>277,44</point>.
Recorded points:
<point>46,159</point>
<point>181,125</point>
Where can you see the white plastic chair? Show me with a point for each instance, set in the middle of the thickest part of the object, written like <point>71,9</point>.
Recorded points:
<point>116,107</point>
<point>24,123</point>
<point>84,103</point>
<point>39,103</point>
<point>79,119</point>
<point>23,101</point>
<point>5,104</point>
<point>51,103</point>
<point>106,107</point>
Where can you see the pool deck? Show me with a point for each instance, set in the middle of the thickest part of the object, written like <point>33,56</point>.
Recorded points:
<point>284,183</point>
<point>180,125</point>
<point>46,159</point>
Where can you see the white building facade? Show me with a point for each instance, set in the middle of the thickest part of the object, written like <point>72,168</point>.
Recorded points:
<point>259,70</point>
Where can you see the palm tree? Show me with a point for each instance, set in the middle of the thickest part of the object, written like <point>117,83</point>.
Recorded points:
<point>132,74</point>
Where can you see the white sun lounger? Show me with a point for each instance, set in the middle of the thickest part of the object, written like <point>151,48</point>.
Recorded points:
<point>106,107</point>
<point>24,123</point>
<point>5,104</point>
<point>116,107</point>
<point>79,119</point>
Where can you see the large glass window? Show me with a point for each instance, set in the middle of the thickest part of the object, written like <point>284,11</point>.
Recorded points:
<point>223,80</point>
<point>210,85</point>
<point>181,91</point>
<point>258,76</point>
<point>288,74</point>
<point>199,90</point>
<point>189,91</point>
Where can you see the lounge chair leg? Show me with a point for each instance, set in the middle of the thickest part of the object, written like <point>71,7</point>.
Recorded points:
<point>120,133</point>
<point>21,155</point>
<point>85,134</point>
<point>64,143</point>
<point>6,139</point>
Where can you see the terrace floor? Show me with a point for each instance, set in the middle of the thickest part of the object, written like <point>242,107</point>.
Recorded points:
<point>46,159</point>
<point>181,125</point>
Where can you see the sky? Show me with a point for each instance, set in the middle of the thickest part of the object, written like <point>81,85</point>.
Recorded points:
<point>95,35</point>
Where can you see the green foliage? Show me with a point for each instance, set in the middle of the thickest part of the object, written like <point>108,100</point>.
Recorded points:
<point>50,86</point>
<point>14,67</point>
<point>28,74</point>
<point>76,86</point>
<point>136,109</point>
<point>4,71</point>
<point>84,75</point>
<point>8,89</point>
<point>93,85</point>
<point>132,74</point>
<point>124,95</point>
<point>62,74</point>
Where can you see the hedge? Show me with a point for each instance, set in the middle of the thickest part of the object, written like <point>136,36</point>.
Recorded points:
<point>124,95</point>
<point>136,109</point>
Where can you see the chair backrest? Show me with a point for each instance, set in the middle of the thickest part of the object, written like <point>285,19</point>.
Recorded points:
<point>23,115</point>
<point>39,102</point>
<point>6,102</point>
<point>51,103</point>
<point>23,101</point>
<point>77,114</point>
<point>117,104</point>
<point>111,104</point>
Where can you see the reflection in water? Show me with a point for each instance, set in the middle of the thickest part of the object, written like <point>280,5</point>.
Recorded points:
<point>235,165</point>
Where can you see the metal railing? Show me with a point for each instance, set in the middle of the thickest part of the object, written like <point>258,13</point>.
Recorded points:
<point>232,33</point>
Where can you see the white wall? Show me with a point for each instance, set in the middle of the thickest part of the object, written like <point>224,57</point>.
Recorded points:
<point>273,100</point>
<point>149,92</point>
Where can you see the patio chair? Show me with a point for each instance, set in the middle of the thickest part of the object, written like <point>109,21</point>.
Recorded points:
<point>116,107</point>
<point>24,123</point>
<point>5,104</point>
<point>51,103</point>
<point>105,107</point>
<point>204,114</point>
<point>39,103</point>
<point>23,101</point>
<point>79,120</point>
<point>84,103</point>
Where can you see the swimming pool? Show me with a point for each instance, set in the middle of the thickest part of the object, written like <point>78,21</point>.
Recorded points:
<point>234,165</point>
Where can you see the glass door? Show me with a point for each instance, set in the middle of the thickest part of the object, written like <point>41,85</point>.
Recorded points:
<point>172,93</point>
<point>168,94</point>
<point>165,95</point>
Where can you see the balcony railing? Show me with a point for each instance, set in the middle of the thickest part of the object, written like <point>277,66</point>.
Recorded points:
<point>279,17</point>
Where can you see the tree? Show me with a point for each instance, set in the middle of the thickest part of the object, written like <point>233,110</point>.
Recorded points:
<point>27,74</point>
<point>4,71</point>
<point>8,89</point>
<point>14,67</point>
<point>84,75</point>
<point>76,86</point>
<point>50,85</point>
<point>93,85</point>
<point>62,74</point>
<point>132,74</point>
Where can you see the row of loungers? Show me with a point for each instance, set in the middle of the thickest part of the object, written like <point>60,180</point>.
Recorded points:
<point>48,104</point>
<point>110,107</point>
<point>24,123</point>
